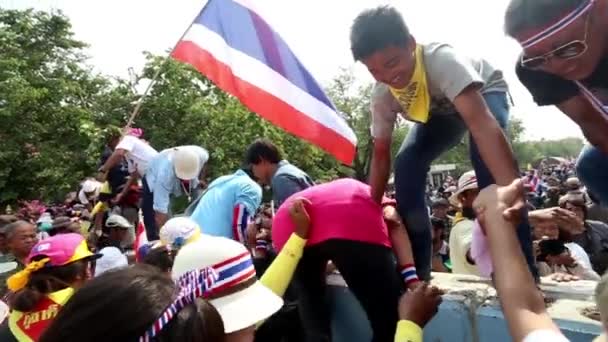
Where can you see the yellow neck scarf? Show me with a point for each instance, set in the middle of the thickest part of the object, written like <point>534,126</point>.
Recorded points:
<point>415,99</point>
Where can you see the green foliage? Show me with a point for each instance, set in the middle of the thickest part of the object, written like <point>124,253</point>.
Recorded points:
<point>45,106</point>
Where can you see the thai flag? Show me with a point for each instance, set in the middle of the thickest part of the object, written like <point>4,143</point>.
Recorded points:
<point>232,45</point>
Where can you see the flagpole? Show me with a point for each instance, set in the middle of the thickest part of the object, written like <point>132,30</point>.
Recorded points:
<point>155,77</point>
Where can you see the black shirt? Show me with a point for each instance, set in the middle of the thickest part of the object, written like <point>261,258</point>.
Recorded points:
<point>548,89</point>
<point>117,175</point>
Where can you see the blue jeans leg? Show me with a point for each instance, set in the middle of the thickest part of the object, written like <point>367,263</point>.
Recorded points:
<point>423,144</point>
<point>499,106</point>
<point>592,169</point>
<point>147,210</point>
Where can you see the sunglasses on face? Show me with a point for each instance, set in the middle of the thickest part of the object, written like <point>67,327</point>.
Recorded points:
<point>570,50</point>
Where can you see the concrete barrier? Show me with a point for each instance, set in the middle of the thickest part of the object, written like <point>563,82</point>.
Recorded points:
<point>470,311</point>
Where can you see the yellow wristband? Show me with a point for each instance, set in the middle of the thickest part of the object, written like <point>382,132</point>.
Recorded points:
<point>408,331</point>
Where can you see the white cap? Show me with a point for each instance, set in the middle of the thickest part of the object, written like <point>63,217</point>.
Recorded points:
<point>239,297</point>
<point>111,258</point>
<point>179,231</point>
<point>186,163</point>
<point>117,221</point>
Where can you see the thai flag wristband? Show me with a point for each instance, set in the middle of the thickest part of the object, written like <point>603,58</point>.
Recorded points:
<point>409,275</point>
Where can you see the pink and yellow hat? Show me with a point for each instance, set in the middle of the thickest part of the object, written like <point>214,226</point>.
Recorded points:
<point>55,251</point>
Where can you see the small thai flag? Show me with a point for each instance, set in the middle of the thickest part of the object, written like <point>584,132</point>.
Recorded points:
<point>233,45</point>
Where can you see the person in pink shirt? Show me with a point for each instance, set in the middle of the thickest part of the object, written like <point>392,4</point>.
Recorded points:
<point>367,243</point>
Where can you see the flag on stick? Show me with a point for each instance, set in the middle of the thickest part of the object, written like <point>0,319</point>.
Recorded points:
<point>232,45</point>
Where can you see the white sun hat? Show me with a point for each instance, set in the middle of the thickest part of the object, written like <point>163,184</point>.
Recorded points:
<point>238,296</point>
<point>468,181</point>
<point>186,163</point>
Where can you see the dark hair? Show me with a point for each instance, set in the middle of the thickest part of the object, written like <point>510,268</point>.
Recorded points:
<point>375,29</point>
<point>524,15</point>
<point>160,257</point>
<point>262,149</point>
<point>47,280</point>
<point>551,248</point>
<point>440,203</point>
<point>121,305</point>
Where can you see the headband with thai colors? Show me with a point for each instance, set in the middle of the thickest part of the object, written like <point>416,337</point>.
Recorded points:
<point>559,25</point>
<point>221,279</point>
<point>193,284</point>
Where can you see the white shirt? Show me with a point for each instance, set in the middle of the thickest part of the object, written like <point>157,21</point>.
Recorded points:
<point>579,254</point>
<point>461,238</point>
<point>139,153</point>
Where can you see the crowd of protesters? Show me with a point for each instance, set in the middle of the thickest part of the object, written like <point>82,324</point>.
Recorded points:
<point>231,268</point>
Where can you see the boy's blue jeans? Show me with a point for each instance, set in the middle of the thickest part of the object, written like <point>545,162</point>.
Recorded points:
<point>423,144</point>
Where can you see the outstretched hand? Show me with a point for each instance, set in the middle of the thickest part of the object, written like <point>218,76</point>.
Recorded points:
<point>420,304</point>
<point>300,217</point>
<point>564,218</point>
<point>509,199</point>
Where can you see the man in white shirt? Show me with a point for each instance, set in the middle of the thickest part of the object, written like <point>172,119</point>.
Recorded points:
<point>461,235</point>
<point>137,152</point>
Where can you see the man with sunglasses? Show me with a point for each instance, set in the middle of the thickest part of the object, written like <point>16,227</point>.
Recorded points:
<point>564,63</point>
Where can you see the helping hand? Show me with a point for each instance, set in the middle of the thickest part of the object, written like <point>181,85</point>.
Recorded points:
<point>420,304</point>
<point>300,217</point>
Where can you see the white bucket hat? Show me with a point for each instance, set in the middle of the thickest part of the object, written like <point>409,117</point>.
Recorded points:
<point>111,258</point>
<point>468,181</point>
<point>179,231</point>
<point>238,296</point>
<point>186,163</point>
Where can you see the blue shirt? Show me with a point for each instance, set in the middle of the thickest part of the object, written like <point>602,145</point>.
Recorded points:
<point>162,181</point>
<point>287,180</point>
<point>216,210</point>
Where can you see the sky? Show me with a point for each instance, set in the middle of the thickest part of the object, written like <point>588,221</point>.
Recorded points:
<point>118,31</point>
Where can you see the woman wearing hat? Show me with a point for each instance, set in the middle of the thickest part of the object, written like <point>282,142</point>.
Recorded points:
<point>56,266</point>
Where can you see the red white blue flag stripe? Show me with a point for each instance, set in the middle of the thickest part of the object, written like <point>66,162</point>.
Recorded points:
<point>233,45</point>
<point>233,271</point>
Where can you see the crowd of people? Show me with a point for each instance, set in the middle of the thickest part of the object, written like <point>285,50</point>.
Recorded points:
<point>231,268</point>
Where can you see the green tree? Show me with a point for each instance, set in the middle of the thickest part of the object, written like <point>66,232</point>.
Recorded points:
<point>353,100</point>
<point>46,96</point>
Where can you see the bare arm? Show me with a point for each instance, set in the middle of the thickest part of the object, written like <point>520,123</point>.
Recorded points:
<point>593,124</point>
<point>521,301</point>
<point>489,137</point>
<point>160,219</point>
<point>380,168</point>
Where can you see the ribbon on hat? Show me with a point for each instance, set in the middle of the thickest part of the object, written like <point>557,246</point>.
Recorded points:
<point>193,285</point>
<point>19,280</point>
<point>559,25</point>
<point>220,280</point>
<point>235,274</point>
